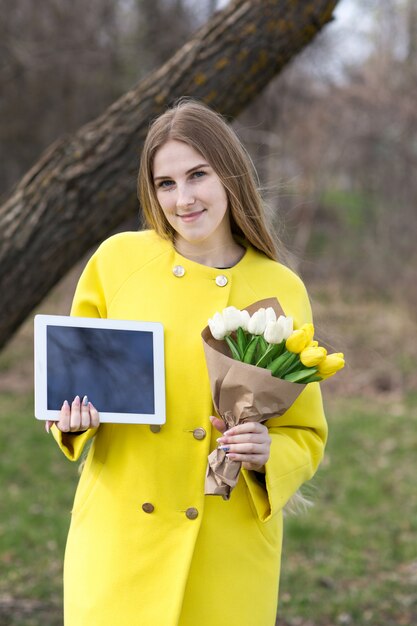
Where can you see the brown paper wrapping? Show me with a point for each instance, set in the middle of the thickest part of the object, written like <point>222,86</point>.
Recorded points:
<point>241,393</point>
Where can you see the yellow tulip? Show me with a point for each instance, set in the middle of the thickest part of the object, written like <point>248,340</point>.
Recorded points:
<point>297,341</point>
<point>313,344</point>
<point>331,364</point>
<point>312,356</point>
<point>309,331</point>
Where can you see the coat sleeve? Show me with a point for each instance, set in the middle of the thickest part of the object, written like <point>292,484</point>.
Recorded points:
<point>298,437</point>
<point>89,301</point>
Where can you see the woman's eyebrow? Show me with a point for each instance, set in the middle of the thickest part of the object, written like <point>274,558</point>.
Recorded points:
<point>196,167</point>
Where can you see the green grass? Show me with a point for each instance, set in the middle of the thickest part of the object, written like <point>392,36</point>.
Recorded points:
<point>351,559</point>
<point>37,491</point>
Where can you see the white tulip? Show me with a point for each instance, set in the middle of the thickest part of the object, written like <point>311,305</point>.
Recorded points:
<point>274,332</point>
<point>232,318</point>
<point>217,326</point>
<point>257,323</point>
<point>287,325</point>
<point>244,319</point>
<point>270,315</point>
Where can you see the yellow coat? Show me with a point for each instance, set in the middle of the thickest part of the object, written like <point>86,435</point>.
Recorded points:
<point>127,566</point>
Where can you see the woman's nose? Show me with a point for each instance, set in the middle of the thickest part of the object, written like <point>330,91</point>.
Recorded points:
<point>184,196</point>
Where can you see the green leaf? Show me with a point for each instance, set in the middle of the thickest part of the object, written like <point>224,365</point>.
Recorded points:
<point>301,375</point>
<point>296,366</point>
<point>278,363</point>
<point>263,344</point>
<point>267,356</point>
<point>250,350</point>
<point>280,347</point>
<point>241,340</point>
<point>233,348</point>
<point>313,379</point>
<point>289,365</point>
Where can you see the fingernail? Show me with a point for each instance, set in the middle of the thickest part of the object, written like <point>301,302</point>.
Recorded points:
<point>66,404</point>
<point>220,440</point>
<point>226,432</point>
<point>85,401</point>
<point>77,399</point>
<point>91,405</point>
<point>47,426</point>
<point>225,448</point>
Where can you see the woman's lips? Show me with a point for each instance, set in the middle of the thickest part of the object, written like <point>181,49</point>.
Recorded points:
<point>191,217</point>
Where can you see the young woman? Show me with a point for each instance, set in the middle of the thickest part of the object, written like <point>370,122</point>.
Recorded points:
<point>145,546</point>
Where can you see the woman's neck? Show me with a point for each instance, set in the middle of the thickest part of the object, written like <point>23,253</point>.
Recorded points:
<point>220,254</point>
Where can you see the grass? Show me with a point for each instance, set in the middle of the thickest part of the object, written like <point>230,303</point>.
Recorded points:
<point>350,560</point>
<point>37,492</point>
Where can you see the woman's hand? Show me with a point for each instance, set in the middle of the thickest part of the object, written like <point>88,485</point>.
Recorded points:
<point>77,417</point>
<point>249,443</point>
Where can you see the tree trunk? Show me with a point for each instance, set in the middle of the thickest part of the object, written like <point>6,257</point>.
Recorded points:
<point>83,186</point>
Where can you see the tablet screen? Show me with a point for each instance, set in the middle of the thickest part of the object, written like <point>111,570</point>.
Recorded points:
<point>114,368</point>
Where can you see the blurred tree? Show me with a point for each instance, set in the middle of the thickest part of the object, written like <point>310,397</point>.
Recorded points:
<point>55,57</point>
<point>338,151</point>
<point>374,121</point>
<point>83,186</point>
<point>62,67</point>
<point>166,24</point>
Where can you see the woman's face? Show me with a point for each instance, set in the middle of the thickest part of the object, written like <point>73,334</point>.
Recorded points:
<point>191,195</point>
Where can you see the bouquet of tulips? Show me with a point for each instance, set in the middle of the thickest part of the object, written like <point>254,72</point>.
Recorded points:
<point>253,357</point>
<point>270,342</point>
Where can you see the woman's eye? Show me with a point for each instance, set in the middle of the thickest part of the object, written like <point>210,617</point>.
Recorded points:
<point>164,184</point>
<point>198,174</point>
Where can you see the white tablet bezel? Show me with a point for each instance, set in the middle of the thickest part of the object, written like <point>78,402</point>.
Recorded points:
<point>40,338</point>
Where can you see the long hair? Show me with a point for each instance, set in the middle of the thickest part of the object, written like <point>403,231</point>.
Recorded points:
<point>208,133</point>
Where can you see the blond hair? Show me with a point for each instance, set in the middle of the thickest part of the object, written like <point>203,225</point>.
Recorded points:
<point>208,133</point>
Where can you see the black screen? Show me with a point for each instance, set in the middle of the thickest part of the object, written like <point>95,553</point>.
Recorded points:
<point>114,368</point>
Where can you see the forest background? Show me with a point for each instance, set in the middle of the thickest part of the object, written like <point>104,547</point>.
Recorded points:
<point>334,139</point>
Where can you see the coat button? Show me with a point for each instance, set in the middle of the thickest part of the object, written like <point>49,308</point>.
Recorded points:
<point>191,513</point>
<point>178,271</point>
<point>148,507</point>
<point>155,428</point>
<point>199,433</point>
<point>221,280</point>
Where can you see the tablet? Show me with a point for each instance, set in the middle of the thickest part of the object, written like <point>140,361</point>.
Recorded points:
<point>118,365</point>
